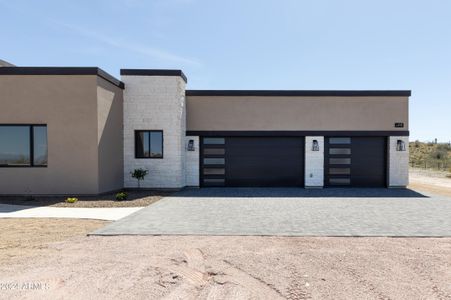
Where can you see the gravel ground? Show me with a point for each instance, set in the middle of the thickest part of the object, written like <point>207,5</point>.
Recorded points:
<point>430,181</point>
<point>135,199</point>
<point>187,267</point>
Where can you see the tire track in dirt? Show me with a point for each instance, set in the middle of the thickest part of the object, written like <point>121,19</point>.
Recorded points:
<point>221,278</point>
<point>297,287</point>
<point>365,283</point>
<point>356,277</point>
<point>350,273</point>
<point>296,290</point>
<point>259,287</point>
<point>421,268</point>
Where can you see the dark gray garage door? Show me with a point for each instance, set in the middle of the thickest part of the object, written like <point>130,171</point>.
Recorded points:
<point>355,161</point>
<point>252,161</point>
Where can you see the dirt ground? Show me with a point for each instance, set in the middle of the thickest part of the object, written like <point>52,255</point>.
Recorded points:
<point>430,181</point>
<point>54,259</point>
<point>193,267</point>
<point>135,199</point>
<point>20,238</point>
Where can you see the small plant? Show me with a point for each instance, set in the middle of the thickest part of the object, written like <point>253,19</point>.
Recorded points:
<point>71,200</point>
<point>121,196</point>
<point>139,174</point>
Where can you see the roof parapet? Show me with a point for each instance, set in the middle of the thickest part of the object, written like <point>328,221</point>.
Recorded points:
<point>153,72</point>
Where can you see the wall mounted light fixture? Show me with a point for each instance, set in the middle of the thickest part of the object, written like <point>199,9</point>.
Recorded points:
<point>191,145</point>
<point>315,145</point>
<point>400,145</point>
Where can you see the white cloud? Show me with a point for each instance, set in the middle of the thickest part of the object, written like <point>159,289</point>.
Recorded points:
<point>129,46</point>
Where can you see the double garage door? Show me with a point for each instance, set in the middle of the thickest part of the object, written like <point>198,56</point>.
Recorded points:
<point>279,161</point>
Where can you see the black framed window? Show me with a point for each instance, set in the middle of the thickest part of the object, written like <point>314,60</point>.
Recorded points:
<point>23,145</point>
<point>149,144</point>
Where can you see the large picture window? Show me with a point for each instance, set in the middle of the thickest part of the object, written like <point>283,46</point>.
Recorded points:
<point>149,144</point>
<point>23,146</point>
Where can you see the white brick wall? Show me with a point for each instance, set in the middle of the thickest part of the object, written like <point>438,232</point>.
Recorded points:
<point>314,162</point>
<point>398,162</point>
<point>155,103</point>
<point>192,162</point>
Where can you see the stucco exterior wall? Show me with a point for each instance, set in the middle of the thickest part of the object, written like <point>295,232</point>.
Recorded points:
<point>398,162</point>
<point>110,136</point>
<point>155,103</point>
<point>224,113</point>
<point>68,105</point>
<point>314,162</point>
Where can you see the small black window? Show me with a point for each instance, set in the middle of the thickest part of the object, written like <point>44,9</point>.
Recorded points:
<point>339,161</point>
<point>339,171</point>
<point>214,141</point>
<point>149,144</point>
<point>23,146</point>
<point>339,140</point>
<point>214,180</point>
<point>339,151</point>
<point>214,151</point>
<point>214,171</point>
<point>340,181</point>
<point>214,161</point>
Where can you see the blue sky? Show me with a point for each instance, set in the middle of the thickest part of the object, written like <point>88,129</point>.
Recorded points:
<point>285,44</point>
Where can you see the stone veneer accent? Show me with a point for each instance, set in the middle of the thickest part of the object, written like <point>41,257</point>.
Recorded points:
<point>398,162</point>
<point>155,103</point>
<point>314,162</point>
<point>192,162</point>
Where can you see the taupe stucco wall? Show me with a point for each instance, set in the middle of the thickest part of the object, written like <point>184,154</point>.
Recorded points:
<point>224,113</point>
<point>110,136</point>
<point>69,106</point>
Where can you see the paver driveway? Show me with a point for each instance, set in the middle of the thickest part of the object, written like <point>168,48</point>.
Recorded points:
<point>291,212</point>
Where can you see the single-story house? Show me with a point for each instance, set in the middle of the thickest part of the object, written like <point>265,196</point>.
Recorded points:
<point>72,130</point>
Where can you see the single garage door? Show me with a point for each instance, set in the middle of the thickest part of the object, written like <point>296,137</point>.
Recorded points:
<point>355,161</point>
<point>252,161</point>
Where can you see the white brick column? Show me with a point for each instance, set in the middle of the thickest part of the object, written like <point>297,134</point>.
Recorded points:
<point>314,162</point>
<point>155,103</point>
<point>192,162</point>
<point>398,162</point>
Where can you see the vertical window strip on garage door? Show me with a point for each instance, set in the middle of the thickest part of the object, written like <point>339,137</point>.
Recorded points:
<point>338,161</point>
<point>213,161</point>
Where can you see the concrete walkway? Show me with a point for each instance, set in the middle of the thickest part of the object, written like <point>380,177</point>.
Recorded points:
<point>19,211</point>
<point>291,212</point>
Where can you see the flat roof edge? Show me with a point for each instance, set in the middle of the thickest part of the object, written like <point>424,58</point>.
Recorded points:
<point>313,93</point>
<point>154,72</point>
<point>298,133</point>
<point>62,71</point>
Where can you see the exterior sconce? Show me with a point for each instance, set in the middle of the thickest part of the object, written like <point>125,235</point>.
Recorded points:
<point>191,145</point>
<point>400,146</point>
<point>315,145</point>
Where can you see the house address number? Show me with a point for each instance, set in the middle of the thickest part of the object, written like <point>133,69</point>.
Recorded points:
<point>399,125</point>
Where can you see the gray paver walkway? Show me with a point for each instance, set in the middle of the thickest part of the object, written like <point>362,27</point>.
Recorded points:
<point>291,212</point>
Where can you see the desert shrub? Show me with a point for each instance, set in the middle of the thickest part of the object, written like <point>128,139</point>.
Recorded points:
<point>121,196</point>
<point>439,154</point>
<point>71,200</point>
<point>139,174</point>
<point>443,147</point>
